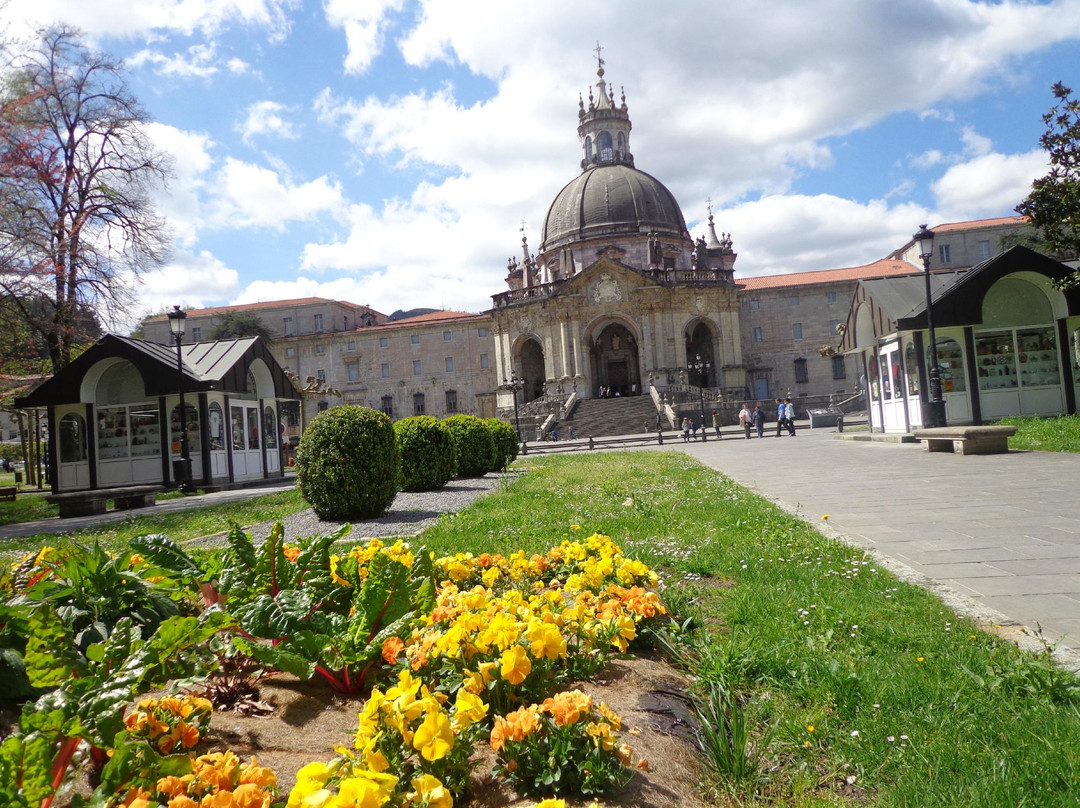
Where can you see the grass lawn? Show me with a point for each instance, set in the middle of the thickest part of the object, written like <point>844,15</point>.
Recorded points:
<point>1058,434</point>
<point>862,689</point>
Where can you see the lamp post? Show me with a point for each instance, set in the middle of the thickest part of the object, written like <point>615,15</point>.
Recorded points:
<point>935,407</point>
<point>514,384</point>
<point>181,472</point>
<point>699,366</point>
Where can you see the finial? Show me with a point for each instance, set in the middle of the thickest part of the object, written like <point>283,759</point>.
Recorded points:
<point>622,93</point>
<point>599,62</point>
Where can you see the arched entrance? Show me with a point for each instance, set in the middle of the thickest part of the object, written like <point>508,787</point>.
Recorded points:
<point>699,342</point>
<point>531,358</point>
<point>615,362</point>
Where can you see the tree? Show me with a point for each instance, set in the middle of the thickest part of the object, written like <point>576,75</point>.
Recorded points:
<point>77,170</point>
<point>232,324</point>
<point>1053,206</point>
<point>23,350</point>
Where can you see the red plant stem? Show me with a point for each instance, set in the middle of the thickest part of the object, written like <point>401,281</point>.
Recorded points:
<point>329,677</point>
<point>345,673</point>
<point>60,767</point>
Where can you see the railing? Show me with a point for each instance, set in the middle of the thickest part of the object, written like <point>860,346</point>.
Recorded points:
<point>665,277</point>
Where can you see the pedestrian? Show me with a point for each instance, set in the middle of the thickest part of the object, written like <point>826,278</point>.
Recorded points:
<point>686,430</point>
<point>694,428</point>
<point>658,428</point>
<point>746,419</point>
<point>716,423</point>
<point>789,416</point>
<point>780,420</point>
<point>759,421</point>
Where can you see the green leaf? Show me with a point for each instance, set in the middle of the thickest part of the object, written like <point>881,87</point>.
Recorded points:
<point>277,658</point>
<point>50,656</point>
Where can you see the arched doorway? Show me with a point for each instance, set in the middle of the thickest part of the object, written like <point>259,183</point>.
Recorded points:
<point>615,362</point>
<point>531,358</point>
<point>699,342</point>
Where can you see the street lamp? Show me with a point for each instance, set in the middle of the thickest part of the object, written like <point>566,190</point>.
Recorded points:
<point>700,366</point>
<point>514,385</point>
<point>935,407</point>
<point>181,472</point>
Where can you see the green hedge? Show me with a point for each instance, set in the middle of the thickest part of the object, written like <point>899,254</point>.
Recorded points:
<point>506,442</point>
<point>427,453</point>
<point>347,463</point>
<point>473,445</point>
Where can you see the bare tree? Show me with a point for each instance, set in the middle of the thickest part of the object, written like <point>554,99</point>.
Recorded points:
<point>77,171</point>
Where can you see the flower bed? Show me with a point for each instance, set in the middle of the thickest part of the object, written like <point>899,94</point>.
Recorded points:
<point>466,653</point>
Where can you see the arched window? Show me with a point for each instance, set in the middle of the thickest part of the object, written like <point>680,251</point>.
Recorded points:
<point>588,150</point>
<point>1012,302</point>
<point>603,147</point>
<point>912,368</point>
<point>622,144</point>
<point>217,426</point>
<point>270,427</point>
<point>72,438</point>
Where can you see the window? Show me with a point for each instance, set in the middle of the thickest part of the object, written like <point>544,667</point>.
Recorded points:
<point>324,406</point>
<point>982,250</point>
<point>384,341</point>
<point>320,350</point>
<point>415,339</point>
<point>345,323</point>
<point>290,352</point>
<point>484,363</point>
<point>286,326</point>
<point>830,297</point>
<point>757,334</point>
<point>418,403</point>
<point>833,326</point>
<point>794,300</point>
<point>800,371</point>
<point>481,332</point>
<point>321,374</point>
<point>387,405</point>
<point>73,438</point>
<point>451,400</point>
<point>796,330</point>
<point>839,371</point>
<point>447,336</point>
<point>351,346</point>
<point>196,333</point>
<point>416,367</point>
<point>354,372</point>
<point>449,364</point>
<point>755,305</point>
<point>943,253</point>
<point>386,370</point>
<point>318,322</point>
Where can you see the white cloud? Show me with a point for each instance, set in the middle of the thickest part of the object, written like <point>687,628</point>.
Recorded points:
<point>265,118</point>
<point>364,24</point>
<point>198,62</point>
<point>247,195</point>
<point>987,184</point>
<point>190,280</point>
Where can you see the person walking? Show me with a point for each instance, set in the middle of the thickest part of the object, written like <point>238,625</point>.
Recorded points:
<point>789,416</point>
<point>686,430</point>
<point>759,421</point>
<point>780,419</point>
<point>716,423</point>
<point>746,419</point>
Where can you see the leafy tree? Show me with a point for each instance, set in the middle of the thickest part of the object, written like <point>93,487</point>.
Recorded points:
<point>233,324</point>
<point>23,350</point>
<point>77,168</point>
<point>1053,206</point>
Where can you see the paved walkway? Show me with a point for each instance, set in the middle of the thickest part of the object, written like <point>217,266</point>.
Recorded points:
<point>997,535</point>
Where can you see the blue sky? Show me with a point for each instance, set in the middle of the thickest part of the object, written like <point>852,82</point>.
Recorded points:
<point>386,151</point>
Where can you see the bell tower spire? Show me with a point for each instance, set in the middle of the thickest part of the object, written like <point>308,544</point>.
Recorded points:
<point>603,127</point>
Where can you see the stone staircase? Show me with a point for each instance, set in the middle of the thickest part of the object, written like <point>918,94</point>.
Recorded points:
<point>596,417</point>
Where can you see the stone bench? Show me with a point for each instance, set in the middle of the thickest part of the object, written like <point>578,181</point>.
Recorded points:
<point>967,440</point>
<point>8,492</point>
<point>91,503</point>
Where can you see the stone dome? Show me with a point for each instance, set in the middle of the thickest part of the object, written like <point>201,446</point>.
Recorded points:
<point>611,200</point>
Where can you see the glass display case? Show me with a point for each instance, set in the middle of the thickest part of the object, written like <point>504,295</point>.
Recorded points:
<point>1037,357</point>
<point>192,422</point>
<point>112,433</point>
<point>125,432</point>
<point>145,432</point>
<point>951,366</point>
<point>996,361</point>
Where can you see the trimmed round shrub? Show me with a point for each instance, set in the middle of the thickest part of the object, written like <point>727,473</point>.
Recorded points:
<point>473,445</point>
<point>506,442</point>
<point>347,464</point>
<point>427,453</point>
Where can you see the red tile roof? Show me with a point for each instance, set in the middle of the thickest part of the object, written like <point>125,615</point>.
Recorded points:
<point>886,267</point>
<point>431,318</point>
<point>980,223</point>
<point>262,304</point>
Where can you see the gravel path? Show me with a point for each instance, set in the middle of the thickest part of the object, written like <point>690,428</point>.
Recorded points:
<point>408,515</point>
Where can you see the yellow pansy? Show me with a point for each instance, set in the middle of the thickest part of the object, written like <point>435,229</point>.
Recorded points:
<point>434,738</point>
<point>516,665</point>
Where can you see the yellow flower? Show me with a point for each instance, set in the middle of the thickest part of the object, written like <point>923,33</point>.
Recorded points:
<point>365,790</point>
<point>434,738</point>
<point>545,640</point>
<point>920,659</point>
<point>551,804</point>
<point>430,792</point>
<point>809,727</point>
<point>825,517</point>
<point>516,665</point>
<point>468,709</point>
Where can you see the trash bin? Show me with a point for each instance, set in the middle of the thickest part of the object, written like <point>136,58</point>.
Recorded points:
<point>180,471</point>
<point>18,478</point>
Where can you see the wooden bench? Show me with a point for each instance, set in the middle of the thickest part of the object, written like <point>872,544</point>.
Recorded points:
<point>8,492</point>
<point>967,440</point>
<point>91,503</point>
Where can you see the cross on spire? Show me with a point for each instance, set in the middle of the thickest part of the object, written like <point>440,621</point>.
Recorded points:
<point>598,50</point>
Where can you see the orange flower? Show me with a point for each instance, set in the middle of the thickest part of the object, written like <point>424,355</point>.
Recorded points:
<point>262,776</point>
<point>568,707</point>
<point>391,647</point>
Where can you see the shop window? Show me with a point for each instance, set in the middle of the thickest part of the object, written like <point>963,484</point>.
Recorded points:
<point>449,364</point>
<point>839,369</point>
<point>911,365</point>
<point>451,400</point>
<point>217,427</point>
<point>801,376</point>
<point>271,427</point>
<point>874,380</point>
<point>72,438</point>
<point>144,426</point>
<point>418,403</point>
<point>951,366</point>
